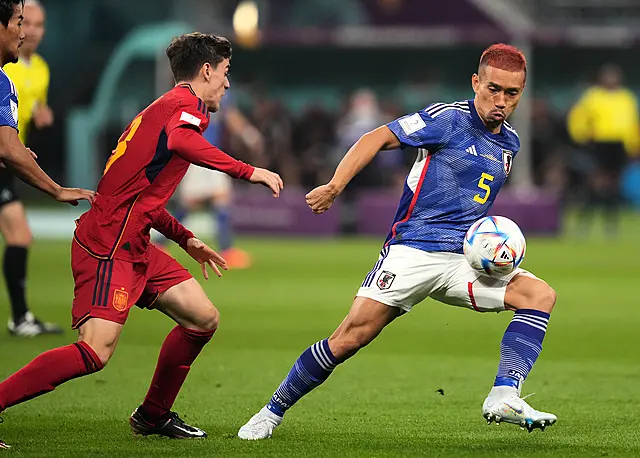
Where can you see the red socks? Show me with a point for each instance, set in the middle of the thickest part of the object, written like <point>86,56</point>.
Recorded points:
<point>47,371</point>
<point>52,368</point>
<point>179,350</point>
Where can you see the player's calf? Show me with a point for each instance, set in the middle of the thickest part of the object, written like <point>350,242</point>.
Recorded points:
<point>48,371</point>
<point>197,321</point>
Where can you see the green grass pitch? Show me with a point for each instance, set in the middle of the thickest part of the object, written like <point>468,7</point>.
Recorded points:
<point>384,402</point>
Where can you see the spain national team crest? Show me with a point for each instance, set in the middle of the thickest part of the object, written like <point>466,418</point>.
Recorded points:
<point>385,279</point>
<point>120,300</point>
<point>507,160</point>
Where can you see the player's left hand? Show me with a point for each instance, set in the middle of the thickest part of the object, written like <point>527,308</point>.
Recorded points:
<point>320,199</point>
<point>205,256</point>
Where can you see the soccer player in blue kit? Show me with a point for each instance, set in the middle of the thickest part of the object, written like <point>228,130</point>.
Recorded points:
<point>465,152</point>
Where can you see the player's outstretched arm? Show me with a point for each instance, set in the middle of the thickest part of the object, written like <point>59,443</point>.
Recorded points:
<point>360,154</point>
<point>189,144</point>
<point>20,161</point>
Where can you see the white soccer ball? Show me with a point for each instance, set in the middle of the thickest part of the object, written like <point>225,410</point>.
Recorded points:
<point>494,245</point>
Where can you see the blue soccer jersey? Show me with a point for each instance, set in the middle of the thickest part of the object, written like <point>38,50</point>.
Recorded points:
<point>8,102</point>
<point>460,168</point>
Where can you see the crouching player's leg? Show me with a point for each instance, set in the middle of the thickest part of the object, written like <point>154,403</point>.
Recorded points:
<point>99,324</point>
<point>173,291</point>
<point>365,321</point>
<point>532,300</point>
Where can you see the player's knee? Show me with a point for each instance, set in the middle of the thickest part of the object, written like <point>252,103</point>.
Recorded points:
<point>19,238</point>
<point>542,297</point>
<point>547,298</point>
<point>103,348</point>
<point>209,320</point>
<point>103,351</point>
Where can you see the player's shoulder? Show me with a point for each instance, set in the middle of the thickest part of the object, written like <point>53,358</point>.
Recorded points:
<point>447,111</point>
<point>511,136</point>
<point>6,85</point>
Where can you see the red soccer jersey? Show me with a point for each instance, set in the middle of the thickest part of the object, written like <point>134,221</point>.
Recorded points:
<point>142,173</point>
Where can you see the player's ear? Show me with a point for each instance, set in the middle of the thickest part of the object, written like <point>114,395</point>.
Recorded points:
<point>206,71</point>
<point>475,82</point>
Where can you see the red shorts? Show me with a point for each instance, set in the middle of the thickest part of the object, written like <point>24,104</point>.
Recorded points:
<point>108,289</point>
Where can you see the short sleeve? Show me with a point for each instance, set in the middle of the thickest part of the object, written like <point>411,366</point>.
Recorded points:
<point>191,113</point>
<point>8,104</point>
<point>423,129</point>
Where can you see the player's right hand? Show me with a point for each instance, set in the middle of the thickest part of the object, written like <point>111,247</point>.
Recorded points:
<point>269,179</point>
<point>73,195</point>
<point>320,199</point>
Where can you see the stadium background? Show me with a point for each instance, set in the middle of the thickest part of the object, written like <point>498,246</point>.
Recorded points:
<point>296,75</point>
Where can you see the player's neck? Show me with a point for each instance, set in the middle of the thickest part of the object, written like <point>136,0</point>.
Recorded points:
<point>493,127</point>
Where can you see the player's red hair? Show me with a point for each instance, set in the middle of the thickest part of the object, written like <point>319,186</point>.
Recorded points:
<point>504,57</point>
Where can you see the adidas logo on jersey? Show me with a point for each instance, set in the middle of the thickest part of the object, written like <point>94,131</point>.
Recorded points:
<point>472,150</point>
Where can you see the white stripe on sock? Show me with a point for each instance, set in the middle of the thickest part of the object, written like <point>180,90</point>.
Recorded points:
<point>529,323</point>
<point>318,358</point>
<point>324,353</point>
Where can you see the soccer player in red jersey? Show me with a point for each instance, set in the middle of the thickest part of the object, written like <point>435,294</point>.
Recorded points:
<point>114,265</point>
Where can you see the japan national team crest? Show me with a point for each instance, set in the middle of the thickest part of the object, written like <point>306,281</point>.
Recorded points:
<point>385,279</point>
<point>120,300</point>
<point>507,160</point>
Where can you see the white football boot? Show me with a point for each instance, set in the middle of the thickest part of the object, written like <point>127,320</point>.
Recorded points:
<point>505,404</point>
<point>260,426</point>
<point>30,326</point>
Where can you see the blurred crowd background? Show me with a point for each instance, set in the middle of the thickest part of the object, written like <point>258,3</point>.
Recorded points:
<point>313,75</point>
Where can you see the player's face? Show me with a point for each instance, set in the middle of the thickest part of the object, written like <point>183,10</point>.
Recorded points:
<point>217,84</point>
<point>33,26</point>
<point>12,36</point>
<point>497,94</point>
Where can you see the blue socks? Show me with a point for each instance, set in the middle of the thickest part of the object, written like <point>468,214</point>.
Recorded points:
<point>225,232</point>
<point>520,347</point>
<point>312,368</point>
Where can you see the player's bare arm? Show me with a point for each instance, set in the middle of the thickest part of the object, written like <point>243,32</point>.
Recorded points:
<point>360,154</point>
<point>21,162</point>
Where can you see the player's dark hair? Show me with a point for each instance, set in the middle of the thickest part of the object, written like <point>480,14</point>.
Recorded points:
<point>189,52</point>
<point>7,7</point>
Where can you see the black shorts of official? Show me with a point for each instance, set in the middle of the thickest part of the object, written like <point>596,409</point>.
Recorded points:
<point>7,188</point>
<point>610,157</point>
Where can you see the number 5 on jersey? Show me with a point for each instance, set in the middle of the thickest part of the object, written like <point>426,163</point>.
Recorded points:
<point>484,186</point>
<point>125,138</point>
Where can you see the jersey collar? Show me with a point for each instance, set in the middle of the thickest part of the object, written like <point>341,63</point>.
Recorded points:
<point>186,86</point>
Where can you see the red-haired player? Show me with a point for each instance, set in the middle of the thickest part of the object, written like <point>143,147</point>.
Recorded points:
<point>465,152</point>
<point>114,265</point>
